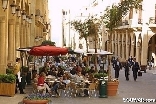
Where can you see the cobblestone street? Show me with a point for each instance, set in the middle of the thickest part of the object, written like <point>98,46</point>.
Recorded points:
<point>144,87</point>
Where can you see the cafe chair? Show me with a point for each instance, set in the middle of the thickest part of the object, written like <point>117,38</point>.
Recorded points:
<point>92,89</point>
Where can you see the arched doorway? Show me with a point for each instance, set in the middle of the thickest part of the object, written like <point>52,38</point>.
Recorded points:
<point>152,48</point>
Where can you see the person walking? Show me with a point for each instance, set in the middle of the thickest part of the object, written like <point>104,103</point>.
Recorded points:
<point>127,66</point>
<point>117,67</point>
<point>17,73</point>
<point>135,68</point>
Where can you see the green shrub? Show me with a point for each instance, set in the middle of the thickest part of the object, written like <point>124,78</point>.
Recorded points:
<point>9,71</point>
<point>7,78</point>
<point>25,69</point>
<point>99,75</point>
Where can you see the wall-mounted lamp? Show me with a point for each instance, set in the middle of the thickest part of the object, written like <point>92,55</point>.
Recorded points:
<point>5,4</point>
<point>24,15</point>
<point>13,8</point>
<point>37,38</point>
<point>18,11</point>
<point>27,18</point>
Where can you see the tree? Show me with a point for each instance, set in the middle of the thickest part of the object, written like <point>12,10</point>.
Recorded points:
<point>88,28</point>
<point>82,28</point>
<point>113,16</point>
<point>48,42</point>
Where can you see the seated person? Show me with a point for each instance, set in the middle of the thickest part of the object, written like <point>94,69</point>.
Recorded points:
<point>79,77</point>
<point>60,72</point>
<point>73,71</point>
<point>66,80</point>
<point>55,86</point>
<point>52,72</point>
<point>41,85</point>
<point>92,70</point>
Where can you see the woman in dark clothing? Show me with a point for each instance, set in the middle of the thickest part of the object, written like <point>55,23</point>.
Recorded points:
<point>127,66</point>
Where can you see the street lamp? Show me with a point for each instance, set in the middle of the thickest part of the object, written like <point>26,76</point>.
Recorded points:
<point>30,20</point>
<point>18,11</point>
<point>27,18</point>
<point>104,62</point>
<point>24,15</point>
<point>4,4</point>
<point>13,8</point>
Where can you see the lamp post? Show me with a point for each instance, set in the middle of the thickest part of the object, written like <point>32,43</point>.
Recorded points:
<point>103,84</point>
<point>18,11</point>
<point>104,62</point>
<point>5,4</point>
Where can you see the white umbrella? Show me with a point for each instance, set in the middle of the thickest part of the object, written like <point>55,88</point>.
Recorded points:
<point>79,51</point>
<point>101,53</point>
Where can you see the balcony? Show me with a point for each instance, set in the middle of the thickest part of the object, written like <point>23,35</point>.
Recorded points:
<point>152,24</point>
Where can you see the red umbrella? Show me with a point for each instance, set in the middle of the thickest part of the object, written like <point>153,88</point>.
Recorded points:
<point>48,51</point>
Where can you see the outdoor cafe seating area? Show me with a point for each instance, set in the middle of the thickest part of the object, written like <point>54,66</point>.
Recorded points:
<point>72,83</point>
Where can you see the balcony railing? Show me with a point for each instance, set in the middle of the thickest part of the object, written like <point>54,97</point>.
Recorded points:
<point>152,20</point>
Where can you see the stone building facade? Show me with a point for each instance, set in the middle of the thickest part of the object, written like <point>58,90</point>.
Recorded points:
<point>23,23</point>
<point>136,34</point>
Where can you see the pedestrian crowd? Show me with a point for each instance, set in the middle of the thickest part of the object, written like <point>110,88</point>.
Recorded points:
<point>130,64</point>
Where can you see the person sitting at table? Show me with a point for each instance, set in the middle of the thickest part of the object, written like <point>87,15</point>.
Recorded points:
<point>92,70</point>
<point>35,82</point>
<point>56,85</point>
<point>52,72</point>
<point>41,85</point>
<point>65,80</point>
<point>79,77</point>
<point>73,71</point>
<point>60,72</point>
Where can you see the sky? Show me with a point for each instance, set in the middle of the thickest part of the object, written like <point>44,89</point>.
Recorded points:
<point>55,15</point>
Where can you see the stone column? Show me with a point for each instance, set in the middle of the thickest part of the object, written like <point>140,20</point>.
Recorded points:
<point>123,46</point>
<point>127,45</point>
<point>132,44</point>
<point>28,34</point>
<point>21,35</point>
<point>17,38</point>
<point>11,40</point>
<point>138,52</point>
<point>3,45</point>
<point>24,34</point>
<point>119,45</point>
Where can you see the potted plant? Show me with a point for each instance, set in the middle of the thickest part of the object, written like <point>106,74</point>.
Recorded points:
<point>100,75</point>
<point>37,98</point>
<point>112,19</point>
<point>7,84</point>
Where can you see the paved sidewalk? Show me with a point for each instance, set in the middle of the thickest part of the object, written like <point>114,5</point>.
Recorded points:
<point>153,70</point>
<point>144,87</point>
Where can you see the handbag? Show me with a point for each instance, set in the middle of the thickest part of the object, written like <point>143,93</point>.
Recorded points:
<point>139,73</point>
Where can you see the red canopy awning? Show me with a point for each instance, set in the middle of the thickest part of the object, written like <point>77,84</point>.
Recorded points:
<point>48,51</point>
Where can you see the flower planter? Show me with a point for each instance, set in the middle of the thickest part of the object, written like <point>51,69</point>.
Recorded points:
<point>26,101</point>
<point>7,89</point>
<point>112,88</point>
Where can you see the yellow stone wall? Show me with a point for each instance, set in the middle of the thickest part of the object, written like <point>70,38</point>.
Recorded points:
<point>15,32</point>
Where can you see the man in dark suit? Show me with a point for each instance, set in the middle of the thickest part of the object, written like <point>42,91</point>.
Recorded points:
<point>135,68</point>
<point>117,66</point>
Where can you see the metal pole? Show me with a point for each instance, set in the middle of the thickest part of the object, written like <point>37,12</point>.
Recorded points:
<point>69,29</point>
